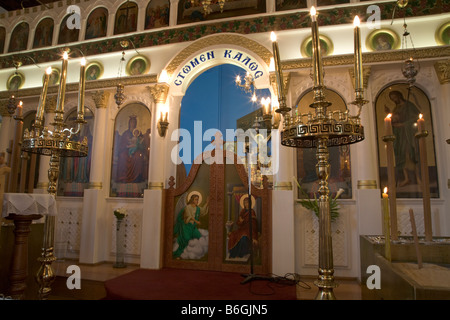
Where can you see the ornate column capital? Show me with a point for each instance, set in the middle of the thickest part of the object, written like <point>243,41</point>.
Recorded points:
<point>366,75</point>
<point>100,99</point>
<point>159,92</point>
<point>443,71</point>
<point>50,104</point>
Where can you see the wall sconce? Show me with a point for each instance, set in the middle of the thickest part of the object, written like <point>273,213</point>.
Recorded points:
<point>163,124</point>
<point>159,93</point>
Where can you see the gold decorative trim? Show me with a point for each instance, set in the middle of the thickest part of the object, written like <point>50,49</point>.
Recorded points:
<point>90,85</point>
<point>443,71</point>
<point>285,185</point>
<point>440,33</point>
<point>367,184</point>
<point>42,185</point>
<point>370,57</point>
<point>95,185</point>
<point>155,185</point>
<point>220,39</point>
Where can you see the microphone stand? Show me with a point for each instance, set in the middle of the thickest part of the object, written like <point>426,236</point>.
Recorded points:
<point>251,276</point>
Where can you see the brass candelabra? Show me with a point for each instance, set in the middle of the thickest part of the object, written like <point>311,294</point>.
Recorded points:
<point>56,143</point>
<point>321,129</point>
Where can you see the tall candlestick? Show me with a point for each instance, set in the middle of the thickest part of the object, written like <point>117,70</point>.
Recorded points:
<point>388,125</point>
<point>420,123</point>
<point>387,238</point>
<point>358,56</point>
<point>62,86</point>
<point>80,116</point>
<point>277,63</point>
<point>40,110</point>
<point>422,135</point>
<point>316,55</point>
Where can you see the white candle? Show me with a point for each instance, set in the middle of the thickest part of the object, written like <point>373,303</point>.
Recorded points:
<point>388,125</point>
<point>40,110</point>
<point>358,55</point>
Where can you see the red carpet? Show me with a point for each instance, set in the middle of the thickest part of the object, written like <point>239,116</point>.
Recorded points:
<point>181,284</point>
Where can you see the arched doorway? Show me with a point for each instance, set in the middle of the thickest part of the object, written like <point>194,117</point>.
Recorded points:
<point>215,238</point>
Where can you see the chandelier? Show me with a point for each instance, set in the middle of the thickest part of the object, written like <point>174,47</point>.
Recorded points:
<point>206,4</point>
<point>321,128</point>
<point>248,86</point>
<point>119,97</point>
<point>411,66</point>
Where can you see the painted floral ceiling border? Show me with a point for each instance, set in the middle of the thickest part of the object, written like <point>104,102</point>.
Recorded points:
<point>297,20</point>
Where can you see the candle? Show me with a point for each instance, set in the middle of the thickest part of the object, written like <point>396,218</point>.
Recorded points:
<point>81,90</point>
<point>386,224</point>
<point>40,110</point>
<point>358,56</point>
<point>421,123</point>
<point>388,125</point>
<point>277,63</point>
<point>316,56</point>
<point>62,85</point>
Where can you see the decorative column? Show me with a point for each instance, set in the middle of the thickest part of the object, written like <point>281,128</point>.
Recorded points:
<point>368,193</point>
<point>153,196</point>
<point>101,99</point>
<point>283,195</point>
<point>93,233</point>
<point>6,127</point>
<point>44,166</point>
<point>443,73</point>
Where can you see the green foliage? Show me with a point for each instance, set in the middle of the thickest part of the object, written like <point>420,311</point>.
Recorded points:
<point>313,204</point>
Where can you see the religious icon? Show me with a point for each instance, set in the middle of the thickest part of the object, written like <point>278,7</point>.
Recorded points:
<point>157,14</point>
<point>126,18</point>
<point>191,237</point>
<point>67,35</point>
<point>382,39</point>
<point>15,81</point>
<point>19,37</point>
<point>340,166</point>
<point>405,104</point>
<point>2,39</point>
<point>129,172</point>
<point>443,34</point>
<point>74,172</point>
<point>54,77</point>
<point>94,71</point>
<point>96,24</point>
<point>326,46</point>
<point>137,65</point>
<point>43,35</point>
<point>239,240</point>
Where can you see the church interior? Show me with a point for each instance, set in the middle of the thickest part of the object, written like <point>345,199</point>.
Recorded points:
<point>303,144</point>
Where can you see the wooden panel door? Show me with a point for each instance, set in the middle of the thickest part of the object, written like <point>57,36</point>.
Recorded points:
<point>205,245</point>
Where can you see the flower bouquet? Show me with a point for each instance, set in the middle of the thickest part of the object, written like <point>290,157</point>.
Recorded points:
<point>120,213</point>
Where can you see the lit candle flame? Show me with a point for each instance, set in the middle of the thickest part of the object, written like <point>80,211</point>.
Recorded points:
<point>420,116</point>
<point>356,21</point>
<point>385,190</point>
<point>389,115</point>
<point>65,55</point>
<point>263,101</point>
<point>83,61</point>
<point>313,11</point>
<point>48,70</point>
<point>20,103</point>
<point>273,36</point>
<point>238,79</point>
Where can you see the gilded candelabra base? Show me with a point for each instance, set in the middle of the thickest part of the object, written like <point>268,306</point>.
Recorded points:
<point>45,275</point>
